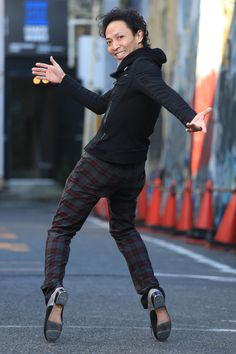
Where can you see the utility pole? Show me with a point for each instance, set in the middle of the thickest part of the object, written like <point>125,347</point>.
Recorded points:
<point>2,59</point>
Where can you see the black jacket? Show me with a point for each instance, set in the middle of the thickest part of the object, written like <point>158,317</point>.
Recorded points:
<point>131,107</point>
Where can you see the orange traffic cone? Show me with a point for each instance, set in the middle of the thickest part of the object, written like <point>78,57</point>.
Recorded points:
<point>204,220</point>
<point>185,222</point>
<point>142,205</point>
<point>226,232</point>
<point>102,208</point>
<point>169,216</point>
<point>105,209</point>
<point>97,207</point>
<point>153,217</point>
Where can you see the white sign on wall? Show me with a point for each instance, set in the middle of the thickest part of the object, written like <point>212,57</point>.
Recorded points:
<point>91,62</point>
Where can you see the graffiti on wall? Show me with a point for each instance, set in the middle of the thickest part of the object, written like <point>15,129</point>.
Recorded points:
<point>203,70</point>
<point>209,58</point>
<point>177,34</point>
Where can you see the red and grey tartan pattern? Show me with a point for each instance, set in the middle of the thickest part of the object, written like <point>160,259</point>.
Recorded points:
<point>90,180</point>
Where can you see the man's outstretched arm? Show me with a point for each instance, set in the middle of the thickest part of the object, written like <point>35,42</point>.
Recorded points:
<point>148,79</point>
<point>55,74</point>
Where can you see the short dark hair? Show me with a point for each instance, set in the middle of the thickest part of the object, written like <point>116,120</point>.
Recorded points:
<point>131,17</point>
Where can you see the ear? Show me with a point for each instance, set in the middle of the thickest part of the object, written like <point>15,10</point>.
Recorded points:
<point>139,35</point>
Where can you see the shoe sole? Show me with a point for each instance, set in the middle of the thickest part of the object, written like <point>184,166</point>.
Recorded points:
<point>161,332</point>
<point>53,330</point>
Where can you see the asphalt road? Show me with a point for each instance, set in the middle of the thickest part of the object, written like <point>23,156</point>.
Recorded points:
<point>104,315</point>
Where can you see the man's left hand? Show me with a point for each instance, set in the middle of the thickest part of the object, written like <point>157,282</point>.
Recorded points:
<point>198,123</point>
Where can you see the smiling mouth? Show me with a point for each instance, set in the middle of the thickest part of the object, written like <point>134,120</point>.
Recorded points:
<point>119,53</point>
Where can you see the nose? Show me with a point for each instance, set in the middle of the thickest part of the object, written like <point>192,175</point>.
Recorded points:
<point>115,45</point>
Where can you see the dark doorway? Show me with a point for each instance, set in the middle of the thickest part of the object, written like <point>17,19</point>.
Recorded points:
<point>44,128</point>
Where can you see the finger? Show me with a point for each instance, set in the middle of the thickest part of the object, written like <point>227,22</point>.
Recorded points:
<point>38,73</point>
<point>204,129</point>
<point>42,65</point>
<point>207,110</point>
<point>52,60</point>
<point>39,70</point>
<point>195,128</point>
<point>191,125</point>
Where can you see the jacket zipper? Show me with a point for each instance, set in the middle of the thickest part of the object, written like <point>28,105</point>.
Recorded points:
<point>105,119</point>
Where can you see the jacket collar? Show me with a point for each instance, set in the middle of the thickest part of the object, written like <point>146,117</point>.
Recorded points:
<point>156,55</point>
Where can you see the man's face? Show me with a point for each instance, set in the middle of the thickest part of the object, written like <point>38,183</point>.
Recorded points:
<point>121,41</point>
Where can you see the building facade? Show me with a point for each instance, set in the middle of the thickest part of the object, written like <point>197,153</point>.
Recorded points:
<point>43,131</point>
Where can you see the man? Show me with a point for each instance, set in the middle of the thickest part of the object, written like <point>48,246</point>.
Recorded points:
<point>112,165</point>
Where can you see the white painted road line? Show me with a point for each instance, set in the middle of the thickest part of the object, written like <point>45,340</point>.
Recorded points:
<point>194,329</point>
<point>22,262</point>
<point>224,268</point>
<point>2,270</point>
<point>165,275</point>
<point>199,276</point>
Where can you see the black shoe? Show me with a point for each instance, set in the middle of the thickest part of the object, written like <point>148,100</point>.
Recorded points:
<point>156,301</point>
<point>52,330</point>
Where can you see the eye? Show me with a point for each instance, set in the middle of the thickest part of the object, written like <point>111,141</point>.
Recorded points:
<point>120,37</point>
<point>108,43</point>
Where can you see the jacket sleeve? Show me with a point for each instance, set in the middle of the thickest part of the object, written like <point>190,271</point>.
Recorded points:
<point>93,101</point>
<point>148,80</point>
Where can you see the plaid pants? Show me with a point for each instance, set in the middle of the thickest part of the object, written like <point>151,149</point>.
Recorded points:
<point>90,180</point>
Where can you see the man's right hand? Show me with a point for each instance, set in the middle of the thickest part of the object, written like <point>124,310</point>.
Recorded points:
<point>52,73</point>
